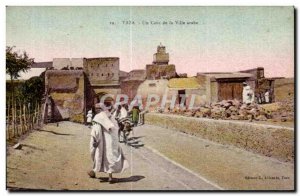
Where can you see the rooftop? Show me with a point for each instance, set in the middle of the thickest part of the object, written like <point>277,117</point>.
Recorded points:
<point>64,72</point>
<point>184,83</point>
<point>224,75</point>
<point>104,58</point>
<point>136,74</point>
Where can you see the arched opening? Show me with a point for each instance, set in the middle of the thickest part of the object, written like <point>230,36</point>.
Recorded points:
<point>108,100</point>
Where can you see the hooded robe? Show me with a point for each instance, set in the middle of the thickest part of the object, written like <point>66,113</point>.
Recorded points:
<point>106,153</point>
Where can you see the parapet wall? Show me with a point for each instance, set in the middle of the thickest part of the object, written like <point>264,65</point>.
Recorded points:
<point>268,140</point>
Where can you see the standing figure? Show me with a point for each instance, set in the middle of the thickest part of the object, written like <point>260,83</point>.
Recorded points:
<point>135,115</point>
<point>262,97</point>
<point>248,94</point>
<point>258,98</point>
<point>106,153</point>
<point>267,96</point>
<point>89,117</point>
<point>120,112</point>
<point>119,115</point>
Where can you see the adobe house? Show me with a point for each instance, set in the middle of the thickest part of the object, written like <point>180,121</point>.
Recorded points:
<point>156,87</point>
<point>185,87</point>
<point>223,86</point>
<point>75,85</point>
<point>65,95</point>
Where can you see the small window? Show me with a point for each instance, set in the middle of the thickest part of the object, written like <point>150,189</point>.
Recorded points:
<point>112,65</point>
<point>152,84</point>
<point>107,74</point>
<point>98,65</point>
<point>101,74</point>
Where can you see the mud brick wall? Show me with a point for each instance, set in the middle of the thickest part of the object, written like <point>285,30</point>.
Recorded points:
<point>268,140</point>
<point>284,89</point>
<point>157,71</point>
<point>67,90</point>
<point>130,88</point>
<point>102,70</point>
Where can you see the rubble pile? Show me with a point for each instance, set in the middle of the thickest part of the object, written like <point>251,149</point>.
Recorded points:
<point>236,110</point>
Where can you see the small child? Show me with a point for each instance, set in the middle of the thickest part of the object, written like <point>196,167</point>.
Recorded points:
<point>89,118</point>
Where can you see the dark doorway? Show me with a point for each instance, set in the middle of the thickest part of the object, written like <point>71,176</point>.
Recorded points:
<point>108,100</point>
<point>181,97</point>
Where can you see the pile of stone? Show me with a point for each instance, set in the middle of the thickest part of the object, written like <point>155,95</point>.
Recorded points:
<point>232,110</point>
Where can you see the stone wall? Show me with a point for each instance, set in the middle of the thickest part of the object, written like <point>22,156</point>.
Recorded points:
<point>137,74</point>
<point>130,87</point>
<point>268,140</point>
<point>160,71</point>
<point>67,90</point>
<point>157,87</point>
<point>284,89</point>
<point>213,85</point>
<point>102,70</point>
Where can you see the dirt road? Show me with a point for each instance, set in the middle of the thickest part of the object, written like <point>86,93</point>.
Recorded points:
<point>57,158</point>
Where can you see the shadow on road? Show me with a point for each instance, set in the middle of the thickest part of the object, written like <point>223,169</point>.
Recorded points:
<point>18,189</point>
<point>135,142</point>
<point>136,145</point>
<point>122,180</point>
<point>33,147</point>
<point>135,138</point>
<point>66,134</point>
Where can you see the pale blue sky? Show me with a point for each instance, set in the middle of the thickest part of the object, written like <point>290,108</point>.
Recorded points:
<point>226,38</point>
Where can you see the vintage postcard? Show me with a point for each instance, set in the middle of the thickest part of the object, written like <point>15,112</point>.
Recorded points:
<point>144,98</point>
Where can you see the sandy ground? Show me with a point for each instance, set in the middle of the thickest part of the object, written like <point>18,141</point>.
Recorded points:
<point>290,124</point>
<point>57,158</point>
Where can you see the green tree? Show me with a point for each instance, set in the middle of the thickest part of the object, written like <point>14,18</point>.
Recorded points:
<point>32,90</point>
<point>15,64</point>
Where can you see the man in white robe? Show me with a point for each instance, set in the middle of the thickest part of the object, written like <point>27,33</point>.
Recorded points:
<point>267,96</point>
<point>120,112</point>
<point>248,94</point>
<point>105,151</point>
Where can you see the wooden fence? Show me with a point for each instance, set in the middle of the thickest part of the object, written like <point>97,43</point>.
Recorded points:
<point>21,117</point>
